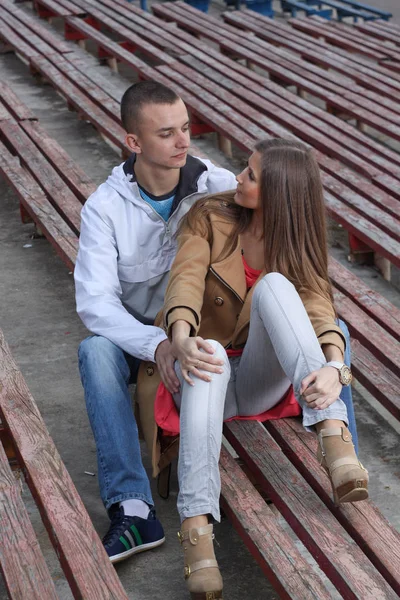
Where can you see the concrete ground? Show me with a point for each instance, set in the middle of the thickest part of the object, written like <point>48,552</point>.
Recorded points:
<point>37,315</point>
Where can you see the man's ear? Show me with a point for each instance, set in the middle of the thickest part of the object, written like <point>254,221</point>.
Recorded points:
<point>132,141</point>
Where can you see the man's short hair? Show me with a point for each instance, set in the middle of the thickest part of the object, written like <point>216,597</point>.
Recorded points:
<point>138,95</point>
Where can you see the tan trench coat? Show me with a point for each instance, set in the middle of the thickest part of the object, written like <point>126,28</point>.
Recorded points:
<point>211,295</point>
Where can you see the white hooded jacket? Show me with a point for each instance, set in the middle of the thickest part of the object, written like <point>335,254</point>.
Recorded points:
<point>126,251</point>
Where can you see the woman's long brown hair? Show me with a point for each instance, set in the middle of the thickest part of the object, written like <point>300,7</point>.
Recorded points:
<point>294,219</point>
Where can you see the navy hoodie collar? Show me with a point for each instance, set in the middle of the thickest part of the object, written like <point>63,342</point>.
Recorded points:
<point>189,176</point>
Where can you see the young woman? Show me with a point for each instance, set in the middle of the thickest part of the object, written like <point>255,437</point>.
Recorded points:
<point>251,273</point>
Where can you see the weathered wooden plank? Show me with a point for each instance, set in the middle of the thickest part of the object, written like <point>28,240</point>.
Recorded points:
<point>32,197</point>
<point>29,23</point>
<point>362,520</point>
<point>379,381</point>
<point>379,32</point>
<point>343,37</point>
<point>18,109</point>
<point>68,169</point>
<point>327,139</point>
<point>267,541</point>
<point>334,550</point>
<point>58,8</point>
<point>374,304</point>
<point>22,564</point>
<point>104,41</point>
<point>26,34</point>
<point>62,198</point>
<point>81,103</point>
<point>16,42</point>
<point>83,558</point>
<point>371,335</point>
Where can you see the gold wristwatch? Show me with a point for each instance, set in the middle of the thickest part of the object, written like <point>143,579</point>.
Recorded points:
<point>345,376</point>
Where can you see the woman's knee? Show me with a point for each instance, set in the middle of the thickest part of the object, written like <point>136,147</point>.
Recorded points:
<point>273,283</point>
<point>219,350</point>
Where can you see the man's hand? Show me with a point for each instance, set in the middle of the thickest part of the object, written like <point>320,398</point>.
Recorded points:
<point>165,364</point>
<point>321,388</point>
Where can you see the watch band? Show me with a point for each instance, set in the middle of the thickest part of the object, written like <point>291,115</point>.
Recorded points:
<point>335,363</point>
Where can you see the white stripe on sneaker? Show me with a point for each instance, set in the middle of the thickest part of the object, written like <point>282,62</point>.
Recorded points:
<point>130,538</point>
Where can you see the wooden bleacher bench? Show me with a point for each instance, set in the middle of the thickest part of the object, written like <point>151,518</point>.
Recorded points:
<point>85,563</point>
<point>235,132</point>
<point>376,575</point>
<point>344,9</point>
<point>203,114</point>
<point>293,6</point>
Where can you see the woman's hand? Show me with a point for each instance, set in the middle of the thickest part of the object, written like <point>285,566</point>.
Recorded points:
<point>194,354</point>
<point>321,388</point>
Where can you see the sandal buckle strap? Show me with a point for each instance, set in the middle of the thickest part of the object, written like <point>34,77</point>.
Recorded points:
<point>208,563</point>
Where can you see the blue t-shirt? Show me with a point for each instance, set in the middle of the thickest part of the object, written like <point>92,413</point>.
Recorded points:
<point>161,204</point>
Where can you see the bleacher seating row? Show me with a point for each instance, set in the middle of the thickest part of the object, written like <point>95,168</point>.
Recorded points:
<point>367,565</point>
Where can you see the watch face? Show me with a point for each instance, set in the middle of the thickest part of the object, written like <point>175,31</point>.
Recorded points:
<point>345,375</point>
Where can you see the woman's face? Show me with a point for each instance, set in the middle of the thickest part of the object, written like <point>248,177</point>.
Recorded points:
<point>248,188</point>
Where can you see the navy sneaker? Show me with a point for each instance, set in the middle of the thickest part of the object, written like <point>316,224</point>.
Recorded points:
<point>130,535</point>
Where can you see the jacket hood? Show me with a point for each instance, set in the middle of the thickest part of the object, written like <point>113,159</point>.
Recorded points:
<point>123,179</point>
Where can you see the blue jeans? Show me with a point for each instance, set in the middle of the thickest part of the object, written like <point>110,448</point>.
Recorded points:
<point>106,372</point>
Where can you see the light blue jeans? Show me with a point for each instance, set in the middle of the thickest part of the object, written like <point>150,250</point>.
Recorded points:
<point>281,350</point>
<point>106,373</point>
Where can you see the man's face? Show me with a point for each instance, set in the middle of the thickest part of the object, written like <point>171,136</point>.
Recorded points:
<point>163,137</point>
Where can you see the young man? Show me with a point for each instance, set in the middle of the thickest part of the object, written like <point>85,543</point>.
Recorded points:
<point>126,249</point>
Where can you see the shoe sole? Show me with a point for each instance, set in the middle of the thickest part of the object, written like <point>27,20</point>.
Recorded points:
<point>354,491</point>
<point>136,550</point>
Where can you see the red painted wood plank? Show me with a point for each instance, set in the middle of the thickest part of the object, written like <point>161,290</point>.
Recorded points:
<point>35,202</point>
<point>22,564</point>
<point>365,74</point>
<point>371,335</point>
<point>26,34</point>
<point>362,520</point>
<point>10,99</point>
<point>82,556</point>
<point>338,139</point>
<point>86,107</point>
<point>374,304</point>
<point>287,67</point>
<point>30,23</point>
<point>104,41</point>
<point>336,553</point>
<point>75,178</point>
<point>63,200</point>
<point>97,95</point>
<point>343,36</point>
<point>378,32</point>
<point>61,9</point>
<point>379,381</point>
<point>16,42</point>
<point>270,545</point>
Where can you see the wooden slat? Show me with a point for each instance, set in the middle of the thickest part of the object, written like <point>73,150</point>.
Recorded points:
<point>16,42</point>
<point>336,553</point>
<point>81,103</point>
<point>57,232</point>
<point>379,381</point>
<point>83,558</point>
<point>75,178</point>
<point>61,197</point>
<point>371,335</point>
<point>32,24</point>
<point>103,41</point>
<point>13,104</point>
<point>374,304</point>
<point>270,545</point>
<point>363,521</point>
<point>22,564</point>
<point>59,8</point>
<point>26,34</point>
